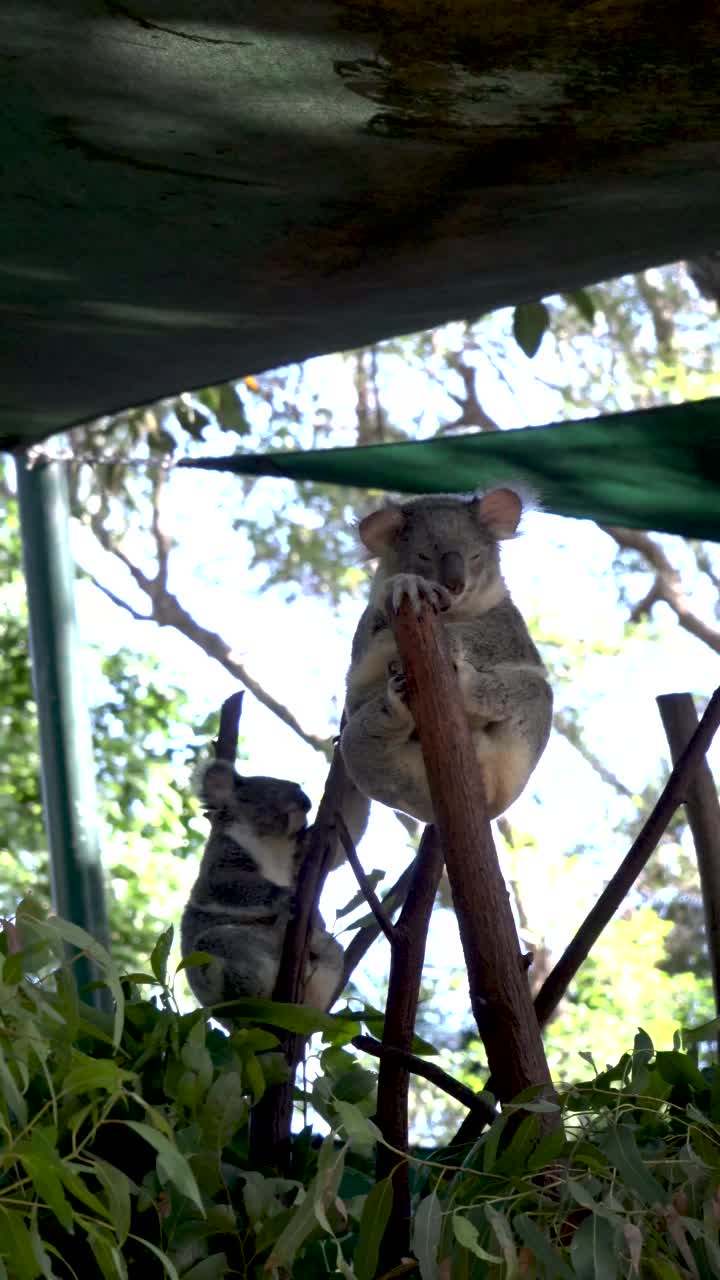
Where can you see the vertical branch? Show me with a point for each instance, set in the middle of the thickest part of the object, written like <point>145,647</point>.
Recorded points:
<point>499,991</point>
<point>271,1118</point>
<point>406,962</point>
<point>612,896</point>
<point>680,721</point>
<point>226,743</point>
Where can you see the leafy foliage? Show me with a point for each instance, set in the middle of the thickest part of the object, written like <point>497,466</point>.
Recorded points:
<point>125,1149</point>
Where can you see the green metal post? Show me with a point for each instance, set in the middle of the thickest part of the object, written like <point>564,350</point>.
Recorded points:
<point>68,771</point>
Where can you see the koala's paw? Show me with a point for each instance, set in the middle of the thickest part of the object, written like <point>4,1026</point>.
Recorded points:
<point>418,590</point>
<point>396,694</point>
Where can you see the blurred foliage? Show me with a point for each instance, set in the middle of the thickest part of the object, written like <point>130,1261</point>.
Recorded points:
<point>125,1148</point>
<point>144,749</point>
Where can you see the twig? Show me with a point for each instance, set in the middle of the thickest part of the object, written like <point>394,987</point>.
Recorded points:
<point>680,721</point>
<point>365,886</point>
<point>362,941</point>
<point>406,962</point>
<point>673,794</point>
<point>225,745</point>
<point>428,1071</point>
<point>499,991</point>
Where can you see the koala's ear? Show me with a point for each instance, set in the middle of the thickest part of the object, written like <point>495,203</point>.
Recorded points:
<point>379,528</point>
<point>218,784</point>
<point>500,510</point>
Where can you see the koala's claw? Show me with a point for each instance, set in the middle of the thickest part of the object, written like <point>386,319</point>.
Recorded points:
<point>397,697</point>
<point>398,684</point>
<point>418,590</point>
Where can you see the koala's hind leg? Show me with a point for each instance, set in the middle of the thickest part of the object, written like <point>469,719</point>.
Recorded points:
<point>382,753</point>
<point>325,966</point>
<point>244,964</point>
<point>510,713</point>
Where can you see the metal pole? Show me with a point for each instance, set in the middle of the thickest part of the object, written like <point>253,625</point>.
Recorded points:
<point>68,770</point>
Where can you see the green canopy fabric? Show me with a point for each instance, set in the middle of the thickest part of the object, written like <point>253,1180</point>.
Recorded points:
<point>653,469</point>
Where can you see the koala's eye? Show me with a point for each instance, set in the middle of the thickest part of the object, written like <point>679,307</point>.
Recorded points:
<point>477,558</point>
<point>425,559</point>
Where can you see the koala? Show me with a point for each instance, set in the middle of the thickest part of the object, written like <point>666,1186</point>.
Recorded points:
<point>444,550</point>
<point>242,900</point>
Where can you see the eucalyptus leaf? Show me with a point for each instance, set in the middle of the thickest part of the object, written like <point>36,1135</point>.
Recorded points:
<point>373,1221</point>
<point>175,1165</point>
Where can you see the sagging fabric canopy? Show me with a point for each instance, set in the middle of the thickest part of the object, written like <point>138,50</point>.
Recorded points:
<point>653,469</point>
<point>194,192</point>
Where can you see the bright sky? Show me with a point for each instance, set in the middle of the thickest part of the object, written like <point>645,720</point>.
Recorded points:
<point>559,570</point>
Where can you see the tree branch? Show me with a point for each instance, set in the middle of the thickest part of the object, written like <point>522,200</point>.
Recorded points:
<point>667,586</point>
<point>564,725</point>
<point>361,943</point>
<point>429,1071</point>
<point>365,886</point>
<point>673,794</point>
<point>121,604</point>
<point>167,611</point>
<point>406,962</point>
<point>499,991</point>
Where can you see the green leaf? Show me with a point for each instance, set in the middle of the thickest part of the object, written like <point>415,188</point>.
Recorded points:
<point>373,1222</point>
<point>94,1073</point>
<point>161,1257</point>
<point>505,1239</point>
<point>16,1246</point>
<point>106,1253</point>
<point>426,1229</point>
<point>11,1093</point>
<point>361,1132</point>
<point>117,1187</point>
<point>174,1164</point>
<point>358,898</point>
<point>43,1165</point>
<point>592,1252</point>
<point>290,1017</point>
<point>57,928</point>
<point>547,1255</point>
<point>195,958</point>
<point>467,1235</point>
<point>212,1268</point>
<point>622,1151</point>
<point>300,1225</point>
<point>530,320</point>
<point>583,301</point>
<point>678,1068</point>
<point>160,953</point>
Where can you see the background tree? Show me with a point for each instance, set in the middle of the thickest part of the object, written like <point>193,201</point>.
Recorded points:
<point>635,342</point>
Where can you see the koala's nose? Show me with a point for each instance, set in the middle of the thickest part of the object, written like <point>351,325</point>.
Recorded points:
<point>452,572</point>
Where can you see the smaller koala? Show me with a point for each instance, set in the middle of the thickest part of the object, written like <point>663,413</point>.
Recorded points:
<point>242,900</point>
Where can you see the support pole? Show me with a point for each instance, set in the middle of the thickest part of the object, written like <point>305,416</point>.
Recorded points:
<point>68,770</point>
<point>680,721</point>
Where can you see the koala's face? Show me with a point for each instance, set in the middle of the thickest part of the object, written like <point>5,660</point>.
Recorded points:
<point>269,806</point>
<point>450,540</point>
<point>442,540</point>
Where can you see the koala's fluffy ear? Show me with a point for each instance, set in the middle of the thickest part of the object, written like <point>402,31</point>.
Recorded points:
<point>500,511</point>
<point>379,528</point>
<point>218,784</point>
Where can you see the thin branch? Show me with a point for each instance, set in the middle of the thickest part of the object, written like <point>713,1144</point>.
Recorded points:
<point>564,725</point>
<point>167,611</point>
<point>271,1118</point>
<point>163,542</point>
<point>406,962</point>
<point>428,1071</point>
<point>365,886</point>
<point>121,604</point>
<point>673,795</point>
<point>364,938</point>
<point>667,586</point>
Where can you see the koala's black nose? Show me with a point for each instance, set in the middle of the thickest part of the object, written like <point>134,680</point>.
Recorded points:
<point>452,572</point>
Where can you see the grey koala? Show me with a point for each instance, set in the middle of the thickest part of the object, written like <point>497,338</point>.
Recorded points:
<point>445,550</point>
<point>242,900</point>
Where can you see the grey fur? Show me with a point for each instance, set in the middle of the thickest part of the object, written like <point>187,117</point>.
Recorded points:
<point>242,899</point>
<point>445,549</point>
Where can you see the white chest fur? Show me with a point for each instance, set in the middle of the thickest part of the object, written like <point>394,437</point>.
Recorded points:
<point>274,855</point>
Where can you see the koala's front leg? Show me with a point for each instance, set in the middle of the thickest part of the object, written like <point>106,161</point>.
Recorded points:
<point>325,966</point>
<point>418,590</point>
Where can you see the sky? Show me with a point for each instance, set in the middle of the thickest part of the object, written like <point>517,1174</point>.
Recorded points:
<point>558,571</point>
